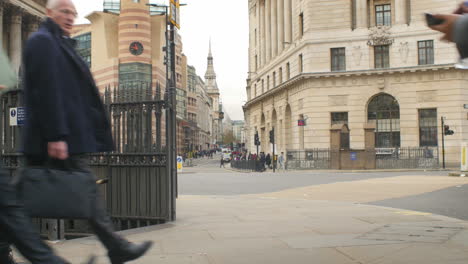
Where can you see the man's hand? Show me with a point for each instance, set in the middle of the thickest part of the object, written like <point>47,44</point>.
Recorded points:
<point>58,150</point>
<point>462,9</point>
<point>447,27</point>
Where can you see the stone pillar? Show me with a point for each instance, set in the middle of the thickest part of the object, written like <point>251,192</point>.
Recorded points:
<point>262,34</point>
<point>32,25</point>
<point>2,4</point>
<point>361,14</point>
<point>258,39</point>
<point>280,9</point>
<point>274,27</point>
<point>287,21</point>
<point>16,38</point>
<point>268,29</point>
<point>400,12</point>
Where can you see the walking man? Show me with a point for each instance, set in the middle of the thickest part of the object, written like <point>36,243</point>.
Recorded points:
<point>281,161</point>
<point>66,118</point>
<point>15,225</point>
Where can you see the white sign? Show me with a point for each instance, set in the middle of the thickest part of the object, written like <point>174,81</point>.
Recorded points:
<point>17,116</point>
<point>464,157</point>
<point>180,163</point>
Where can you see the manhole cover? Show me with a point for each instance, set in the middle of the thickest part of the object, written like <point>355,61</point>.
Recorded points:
<point>412,233</point>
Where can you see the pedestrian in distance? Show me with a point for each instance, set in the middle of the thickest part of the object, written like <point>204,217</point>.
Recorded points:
<point>281,161</point>
<point>268,161</point>
<point>66,118</point>
<point>222,162</point>
<point>15,225</point>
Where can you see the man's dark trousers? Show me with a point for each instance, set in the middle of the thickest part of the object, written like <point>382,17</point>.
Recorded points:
<point>16,227</point>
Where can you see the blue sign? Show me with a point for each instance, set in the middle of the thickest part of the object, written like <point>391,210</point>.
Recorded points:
<point>353,155</point>
<point>21,112</point>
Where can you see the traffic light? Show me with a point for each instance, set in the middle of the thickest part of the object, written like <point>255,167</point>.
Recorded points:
<point>447,131</point>
<point>256,139</point>
<point>272,136</point>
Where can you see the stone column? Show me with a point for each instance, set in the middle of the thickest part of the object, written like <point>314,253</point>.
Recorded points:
<point>258,47</point>
<point>287,21</point>
<point>2,4</point>
<point>15,38</point>
<point>280,9</point>
<point>361,14</point>
<point>32,25</point>
<point>274,27</point>
<point>262,33</point>
<point>400,12</point>
<point>268,29</point>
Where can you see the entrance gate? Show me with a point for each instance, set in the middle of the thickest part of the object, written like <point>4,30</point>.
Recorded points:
<point>140,188</point>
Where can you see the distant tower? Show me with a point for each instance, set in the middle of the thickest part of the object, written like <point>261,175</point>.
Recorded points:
<point>210,82</point>
<point>134,32</point>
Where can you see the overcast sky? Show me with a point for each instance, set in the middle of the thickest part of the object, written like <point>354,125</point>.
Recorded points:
<point>226,22</point>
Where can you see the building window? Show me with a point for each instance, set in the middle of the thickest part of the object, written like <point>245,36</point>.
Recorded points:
<point>426,52</point>
<point>338,59</point>
<point>256,62</point>
<point>383,15</point>
<point>288,71</point>
<point>382,56</point>
<point>274,79</point>
<point>134,74</point>
<point>280,75</point>
<point>428,127</point>
<point>338,118</point>
<point>263,86</point>
<point>83,47</point>
<point>384,110</point>
<point>301,64</point>
<point>301,24</point>
<point>255,37</point>
<point>268,82</point>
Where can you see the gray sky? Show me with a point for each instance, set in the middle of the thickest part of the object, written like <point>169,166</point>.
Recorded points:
<point>227,25</point>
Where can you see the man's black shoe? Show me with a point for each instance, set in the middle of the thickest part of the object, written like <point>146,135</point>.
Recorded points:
<point>131,252</point>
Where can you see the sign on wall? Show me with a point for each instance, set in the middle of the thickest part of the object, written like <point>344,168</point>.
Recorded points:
<point>17,116</point>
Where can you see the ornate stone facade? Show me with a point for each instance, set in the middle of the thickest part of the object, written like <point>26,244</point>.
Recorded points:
<point>385,49</point>
<point>18,19</point>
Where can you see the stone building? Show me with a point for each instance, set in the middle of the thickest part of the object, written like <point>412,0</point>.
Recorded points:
<point>323,62</point>
<point>200,112</point>
<point>18,19</point>
<point>123,45</point>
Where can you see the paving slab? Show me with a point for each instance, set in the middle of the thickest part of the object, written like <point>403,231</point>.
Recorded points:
<point>257,230</point>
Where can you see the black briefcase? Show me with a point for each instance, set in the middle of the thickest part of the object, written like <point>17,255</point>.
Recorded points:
<point>54,193</point>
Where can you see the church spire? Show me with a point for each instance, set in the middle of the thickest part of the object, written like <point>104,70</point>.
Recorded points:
<point>210,75</point>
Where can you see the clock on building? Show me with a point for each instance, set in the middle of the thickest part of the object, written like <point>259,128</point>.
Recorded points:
<point>136,48</point>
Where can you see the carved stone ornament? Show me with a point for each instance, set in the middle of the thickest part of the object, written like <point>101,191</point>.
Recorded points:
<point>357,55</point>
<point>380,35</point>
<point>404,51</point>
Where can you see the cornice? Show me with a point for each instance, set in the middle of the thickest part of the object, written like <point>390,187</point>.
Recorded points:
<point>372,72</point>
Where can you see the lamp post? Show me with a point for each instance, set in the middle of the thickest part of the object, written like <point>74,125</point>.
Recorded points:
<point>171,101</point>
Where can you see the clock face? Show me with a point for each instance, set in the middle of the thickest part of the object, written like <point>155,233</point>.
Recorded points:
<point>136,48</point>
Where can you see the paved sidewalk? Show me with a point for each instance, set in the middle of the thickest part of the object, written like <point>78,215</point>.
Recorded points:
<point>257,230</point>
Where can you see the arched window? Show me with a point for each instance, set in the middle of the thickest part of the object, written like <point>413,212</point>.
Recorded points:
<point>385,111</point>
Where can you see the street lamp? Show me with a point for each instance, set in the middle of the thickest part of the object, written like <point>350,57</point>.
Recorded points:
<point>170,98</point>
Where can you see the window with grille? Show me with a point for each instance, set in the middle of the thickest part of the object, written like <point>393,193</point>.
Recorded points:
<point>383,15</point>
<point>382,56</point>
<point>384,110</point>
<point>426,52</point>
<point>428,127</point>
<point>338,118</point>
<point>338,59</point>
